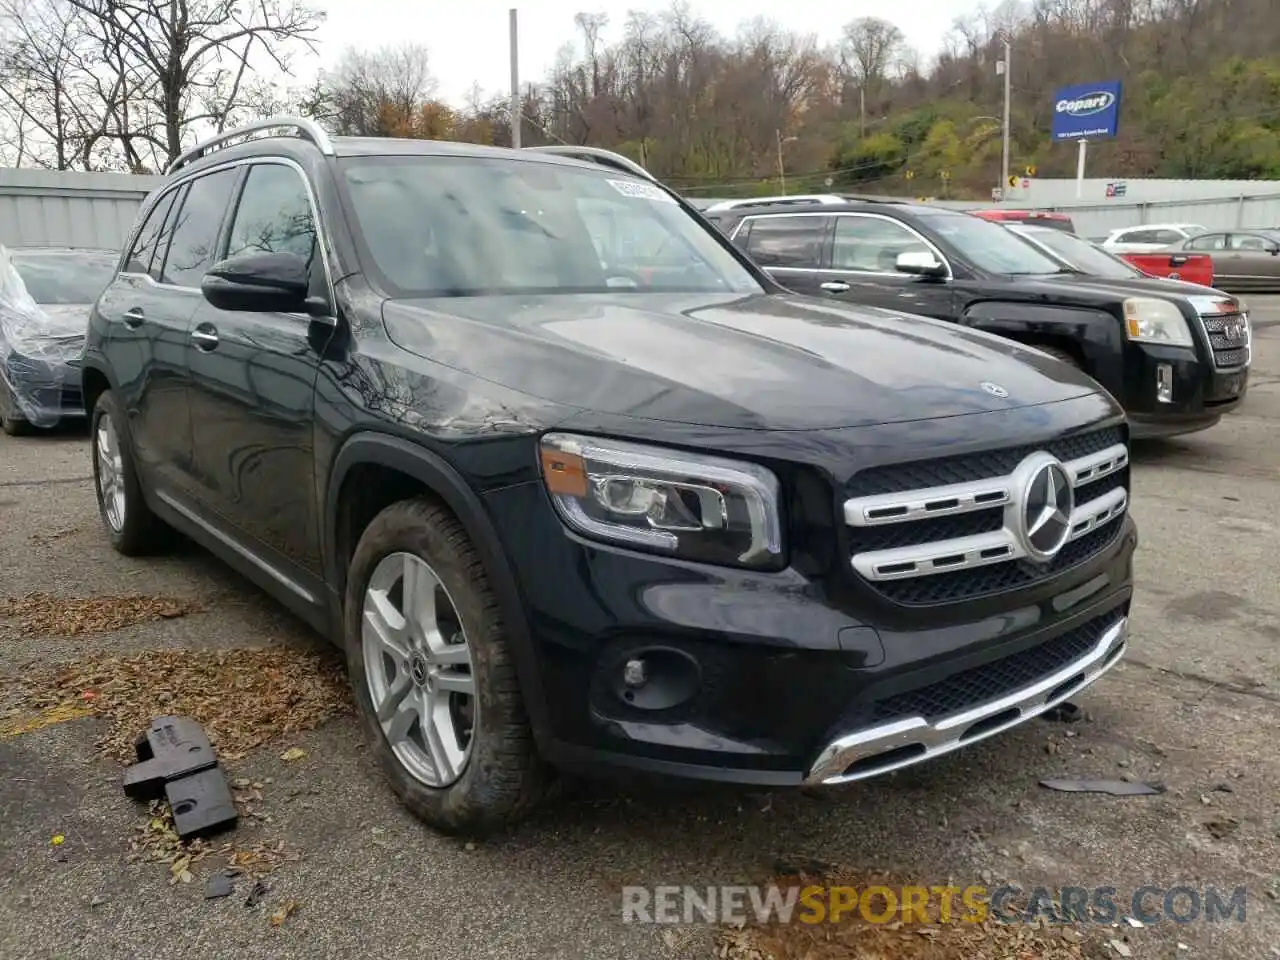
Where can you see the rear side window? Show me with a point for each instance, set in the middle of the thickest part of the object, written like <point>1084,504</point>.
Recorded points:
<point>787,241</point>
<point>274,214</point>
<point>1213,241</point>
<point>1167,236</point>
<point>144,247</point>
<point>196,227</point>
<point>1138,236</point>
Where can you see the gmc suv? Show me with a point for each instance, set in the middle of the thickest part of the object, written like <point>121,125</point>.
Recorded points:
<point>575,484</point>
<point>1176,356</point>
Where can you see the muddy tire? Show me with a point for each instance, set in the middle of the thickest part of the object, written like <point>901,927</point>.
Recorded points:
<point>433,674</point>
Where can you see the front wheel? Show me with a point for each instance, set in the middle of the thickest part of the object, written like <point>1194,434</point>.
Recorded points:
<point>433,674</point>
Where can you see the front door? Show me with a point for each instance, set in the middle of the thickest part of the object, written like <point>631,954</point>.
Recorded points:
<point>1250,262</point>
<point>253,382</point>
<point>862,268</point>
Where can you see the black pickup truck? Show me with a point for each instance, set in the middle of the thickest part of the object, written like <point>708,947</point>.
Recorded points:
<point>1176,356</point>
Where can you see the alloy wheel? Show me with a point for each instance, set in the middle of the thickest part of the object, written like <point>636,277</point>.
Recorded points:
<point>418,669</point>
<point>106,448</point>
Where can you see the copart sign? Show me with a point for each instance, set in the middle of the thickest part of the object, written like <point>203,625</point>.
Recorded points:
<point>1087,111</point>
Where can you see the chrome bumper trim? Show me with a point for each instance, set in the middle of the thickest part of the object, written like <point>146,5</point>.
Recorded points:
<point>969,726</point>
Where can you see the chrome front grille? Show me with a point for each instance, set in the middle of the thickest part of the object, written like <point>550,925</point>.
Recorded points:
<point>969,538</point>
<point>1229,338</point>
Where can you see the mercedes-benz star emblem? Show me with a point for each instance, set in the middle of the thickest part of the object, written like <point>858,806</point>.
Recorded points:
<point>1046,511</point>
<point>994,389</point>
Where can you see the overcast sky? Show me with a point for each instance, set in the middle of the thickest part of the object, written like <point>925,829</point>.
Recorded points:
<point>468,42</point>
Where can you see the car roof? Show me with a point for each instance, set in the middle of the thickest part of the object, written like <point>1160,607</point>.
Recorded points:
<point>37,250</point>
<point>851,205</point>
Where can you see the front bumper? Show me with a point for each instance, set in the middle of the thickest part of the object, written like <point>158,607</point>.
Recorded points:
<point>774,679</point>
<point>42,392</point>
<point>1173,390</point>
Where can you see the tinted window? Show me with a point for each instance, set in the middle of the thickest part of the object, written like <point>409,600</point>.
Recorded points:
<point>195,228</point>
<point>872,244</point>
<point>1212,241</point>
<point>1166,236</point>
<point>1137,236</point>
<point>65,277</point>
<point>787,241</point>
<point>274,214</point>
<point>470,226</point>
<point>144,247</point>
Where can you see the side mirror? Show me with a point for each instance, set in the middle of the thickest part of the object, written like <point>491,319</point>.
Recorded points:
<point>261,282</point>
<point>922,263</point>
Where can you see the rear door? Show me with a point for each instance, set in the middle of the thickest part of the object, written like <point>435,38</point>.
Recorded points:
<point>861,267</point>
<point>253,381</point>
<point>135,313</point>
<point>790,246</point>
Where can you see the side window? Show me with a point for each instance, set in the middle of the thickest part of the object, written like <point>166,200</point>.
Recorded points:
<point>1211,241</point>
<point>274,214</point>
<point>1137,236</point>
<point>871,244</point>
<point>1167,236</point>
<point>144,247</point>
<point>787,241</point>
<point>195,228</point>
<point>1244,241</point>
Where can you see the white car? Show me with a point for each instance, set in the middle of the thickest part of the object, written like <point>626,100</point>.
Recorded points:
<point>1149,237</point>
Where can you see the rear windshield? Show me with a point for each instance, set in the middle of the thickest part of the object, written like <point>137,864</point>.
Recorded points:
<point>59,277</point>
<point>467,226</point>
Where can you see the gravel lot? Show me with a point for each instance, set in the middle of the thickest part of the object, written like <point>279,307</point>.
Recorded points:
<point>1195,706</point>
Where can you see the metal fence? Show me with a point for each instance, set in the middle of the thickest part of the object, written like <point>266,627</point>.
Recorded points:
<point>58,208</point>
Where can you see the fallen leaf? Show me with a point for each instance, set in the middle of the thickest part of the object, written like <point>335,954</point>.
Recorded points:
<point>293,753</point>
<point>283,912</point>
<point>58,839</point>
<point>1120,947</point>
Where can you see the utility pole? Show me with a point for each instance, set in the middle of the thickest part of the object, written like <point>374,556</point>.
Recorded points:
<point>862,111</point>
<point>782,173</point>
<point>517,108</point>
<point>1004,68</point>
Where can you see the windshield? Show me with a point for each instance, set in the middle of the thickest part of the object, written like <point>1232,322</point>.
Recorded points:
<point>989,246</point>
<point>1083,255</point>
<point>471,226</point>
<point>58,277</point>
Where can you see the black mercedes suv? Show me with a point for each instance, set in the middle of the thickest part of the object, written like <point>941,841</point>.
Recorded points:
<point>576,485</point>
<point>1175,355</point>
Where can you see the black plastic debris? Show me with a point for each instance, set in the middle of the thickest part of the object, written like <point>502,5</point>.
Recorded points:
<point>176,760</point>
<point>259,891</point>
<point>1117,788</point>
<point>220,884</point>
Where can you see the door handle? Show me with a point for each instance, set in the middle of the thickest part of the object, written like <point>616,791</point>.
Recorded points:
<point>835,286</point>
<point>205,338</point>
<point>134,317</point>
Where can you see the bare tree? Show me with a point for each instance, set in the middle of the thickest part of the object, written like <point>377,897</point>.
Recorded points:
<point>168,66</point>
<point>369,92</point>
<point>870,48</point>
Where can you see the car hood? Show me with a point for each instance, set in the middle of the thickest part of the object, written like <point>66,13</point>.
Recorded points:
<point>58,332</point>
<point>755,362</point>
<point>1148,286</point>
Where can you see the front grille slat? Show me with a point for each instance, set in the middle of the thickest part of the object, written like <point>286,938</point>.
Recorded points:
<point>1228,335</point>
<point>979,685</point>
<point>978,543</point>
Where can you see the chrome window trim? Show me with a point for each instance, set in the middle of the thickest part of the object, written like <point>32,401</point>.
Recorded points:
<point>322,239</point>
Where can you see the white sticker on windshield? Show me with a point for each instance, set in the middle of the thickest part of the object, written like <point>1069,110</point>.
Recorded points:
<point>641,191</point>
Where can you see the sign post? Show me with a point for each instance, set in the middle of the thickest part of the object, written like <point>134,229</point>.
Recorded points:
<point>1084,112</point>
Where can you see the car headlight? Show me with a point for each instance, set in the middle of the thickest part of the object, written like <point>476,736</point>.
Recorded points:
<point>1156,321</point>
<point>685,504</point>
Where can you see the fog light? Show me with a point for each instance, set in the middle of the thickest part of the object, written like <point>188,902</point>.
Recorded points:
<point>1164,383</point>
<point>635,673</point>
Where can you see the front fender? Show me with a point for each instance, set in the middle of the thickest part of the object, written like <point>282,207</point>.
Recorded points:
<point>435,473</point>
<point>1095,334</point>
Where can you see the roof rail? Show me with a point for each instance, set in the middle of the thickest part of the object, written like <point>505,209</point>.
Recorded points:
<point>598,155</point>
<point>823,198</point>
<point>299,127</point>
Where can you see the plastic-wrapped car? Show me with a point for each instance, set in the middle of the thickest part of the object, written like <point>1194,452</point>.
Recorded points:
<point>45,297</point>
